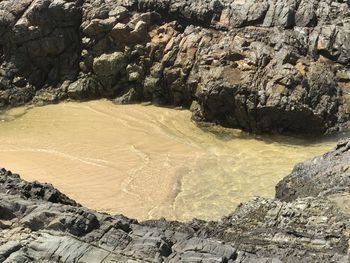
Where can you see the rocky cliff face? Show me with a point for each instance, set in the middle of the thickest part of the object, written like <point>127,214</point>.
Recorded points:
<point>40,224</point>
<point>262,66</point>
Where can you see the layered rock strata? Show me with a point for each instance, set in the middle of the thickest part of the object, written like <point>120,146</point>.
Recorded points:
<point>262,66</point>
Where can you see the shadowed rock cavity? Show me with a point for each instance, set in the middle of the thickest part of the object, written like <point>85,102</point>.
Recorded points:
<point>266,66</point>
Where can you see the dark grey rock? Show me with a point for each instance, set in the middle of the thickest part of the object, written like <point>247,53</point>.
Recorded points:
<point>312,226</point>
<point>277,60</point>
<point>324,175</point>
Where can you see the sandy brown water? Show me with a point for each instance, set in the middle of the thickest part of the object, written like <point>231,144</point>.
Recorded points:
<point>145,161</point>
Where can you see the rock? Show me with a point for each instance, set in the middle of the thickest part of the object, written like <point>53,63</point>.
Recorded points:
<point>85,88</point>
<point>275,229</point>
<point>42,47</point>
<point>121,34</point>
<point>140,31</point>
<point>38,223</point>
<point>109,64</point>
<point>12,184</point>
<point>59,231</point>
<point>8,248</point>
<point>278,61</point>
<point>99,26</point>
<point>151,87</point>
<point>135,73</point>
<point>325,175</point>
<point>120,12</point>
<point>131,96</point>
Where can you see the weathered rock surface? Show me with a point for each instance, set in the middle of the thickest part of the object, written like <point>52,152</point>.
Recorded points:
<point>326,175</point>
<point>40,224</point>
<point>261,66</point>
<point>12,184</point>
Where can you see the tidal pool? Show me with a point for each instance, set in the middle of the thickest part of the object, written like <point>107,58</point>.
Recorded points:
<point>146,162</point>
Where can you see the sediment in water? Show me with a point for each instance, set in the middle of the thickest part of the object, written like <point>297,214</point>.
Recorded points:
<point>147,162</point>
<point>270,66</point>
<point>38,223</point>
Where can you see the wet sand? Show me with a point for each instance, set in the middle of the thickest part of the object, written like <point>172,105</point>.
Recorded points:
<point>144,161</point>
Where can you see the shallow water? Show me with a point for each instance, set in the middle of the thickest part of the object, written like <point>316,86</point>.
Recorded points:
<point>146,162</point>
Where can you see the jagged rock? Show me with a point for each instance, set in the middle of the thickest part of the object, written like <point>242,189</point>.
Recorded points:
<point>120,34</point>
<point>99,26</point>
<point>326,175</point>
<point>84,88</point>
<point>271,228</point>
<point>41,47</point>
<point>44,231</point>
<point>277,60</point>
<point>40,224</point>
<point>12,184</point>
<point>109,64</point>
<point>135,73</point>
<point>131,96</point>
